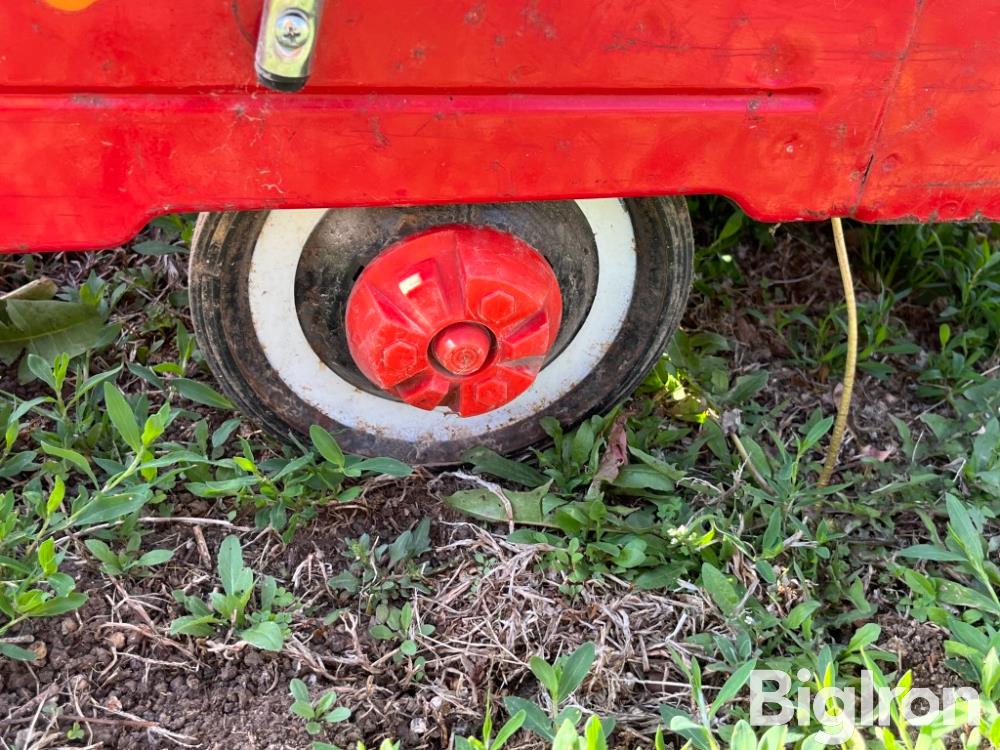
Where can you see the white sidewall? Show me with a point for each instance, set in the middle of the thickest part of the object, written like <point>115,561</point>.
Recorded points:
<point>271,287</point>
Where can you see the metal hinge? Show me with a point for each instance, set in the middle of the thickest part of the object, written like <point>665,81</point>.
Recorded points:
<point>286,43</point>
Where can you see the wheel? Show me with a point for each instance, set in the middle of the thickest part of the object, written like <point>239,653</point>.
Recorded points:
<point>421,332</point>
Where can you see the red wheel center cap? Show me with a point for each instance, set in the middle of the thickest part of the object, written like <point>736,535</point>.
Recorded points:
<point>462,348</point>
<point>457,316</point>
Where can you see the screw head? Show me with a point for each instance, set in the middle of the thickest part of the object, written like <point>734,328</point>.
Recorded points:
<point>292,29</point>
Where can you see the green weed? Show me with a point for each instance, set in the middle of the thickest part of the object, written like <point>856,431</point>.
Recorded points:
<point>286,491</point>
<point>560,679</point>
<point>819,343</point>
<point>37,521</point>
<point>385,577</point>
<point>486,740</point>
<point>265,625</point>
<point>129,559</point>
<point>962,597</point>
<point>317,712</point>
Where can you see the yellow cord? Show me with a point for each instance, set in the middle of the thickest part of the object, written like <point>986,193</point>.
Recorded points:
<point>852,354</point>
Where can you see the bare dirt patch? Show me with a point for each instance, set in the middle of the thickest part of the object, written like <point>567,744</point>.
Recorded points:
<point>112,663</point>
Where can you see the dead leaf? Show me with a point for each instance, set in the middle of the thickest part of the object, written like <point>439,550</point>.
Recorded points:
<point>616,454</point>
<point>879,454</point>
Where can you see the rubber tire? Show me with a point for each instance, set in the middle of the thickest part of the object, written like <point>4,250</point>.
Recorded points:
<point>219,267</point>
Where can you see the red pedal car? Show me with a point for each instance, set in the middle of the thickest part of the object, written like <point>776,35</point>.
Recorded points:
<point>426,224</point>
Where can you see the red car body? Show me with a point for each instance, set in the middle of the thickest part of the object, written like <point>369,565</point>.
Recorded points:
<point>114,111</point>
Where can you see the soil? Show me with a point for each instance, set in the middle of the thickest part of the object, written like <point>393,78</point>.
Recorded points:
<point>919,647</point>
<point>800,274</point>
<point>112,661</point>
<point>147,690</point>
<point>112,664</point>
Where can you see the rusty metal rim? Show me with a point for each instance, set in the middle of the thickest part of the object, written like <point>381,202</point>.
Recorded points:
<point>271,292</point>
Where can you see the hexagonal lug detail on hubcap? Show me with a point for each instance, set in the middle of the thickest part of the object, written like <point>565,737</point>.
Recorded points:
<point>498,307</point>
<point>426,391</point>
<point>398,358</point>
<point>491,393</point>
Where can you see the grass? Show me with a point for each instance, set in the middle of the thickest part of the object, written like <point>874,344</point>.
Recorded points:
<point>635,569</point>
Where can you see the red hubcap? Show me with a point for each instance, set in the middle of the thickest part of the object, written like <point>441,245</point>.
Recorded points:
<point>456,316</point>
